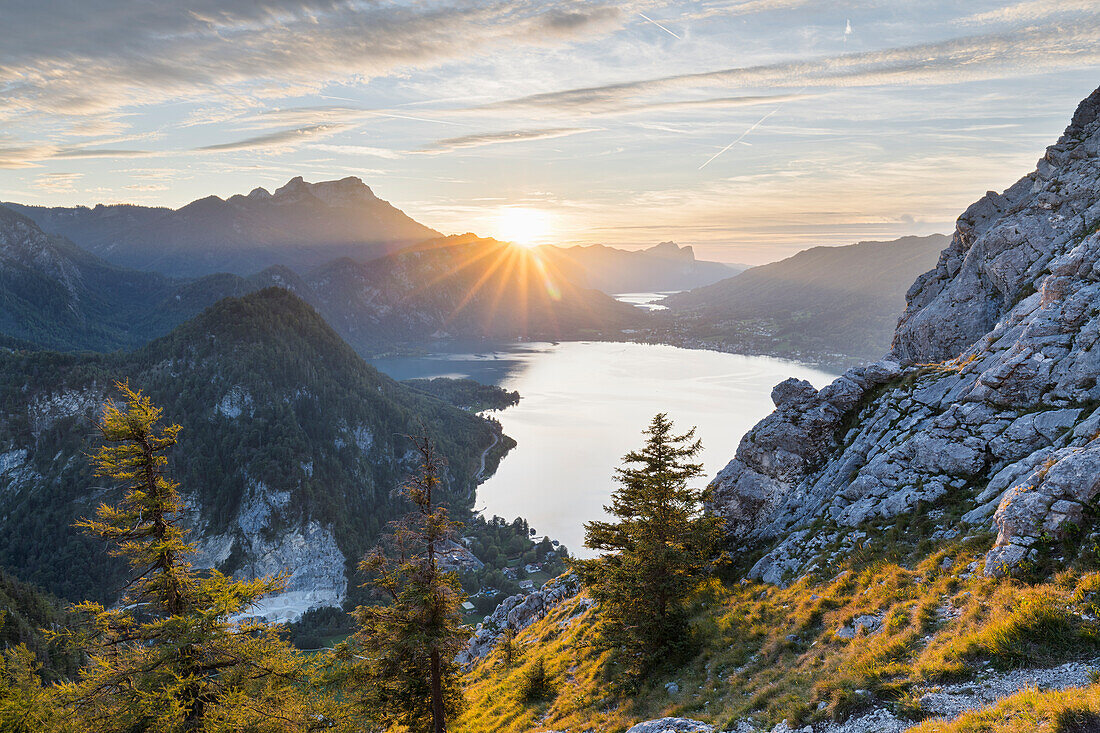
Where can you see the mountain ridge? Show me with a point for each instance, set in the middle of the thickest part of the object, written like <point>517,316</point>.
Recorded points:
<point>300,225</point>
<point>831,304</point>
<point>663,267</point>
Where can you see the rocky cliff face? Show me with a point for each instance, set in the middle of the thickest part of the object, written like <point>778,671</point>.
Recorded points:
<point>986,405</point>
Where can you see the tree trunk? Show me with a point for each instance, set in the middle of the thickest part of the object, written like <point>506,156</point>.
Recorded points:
<point>438,724</point>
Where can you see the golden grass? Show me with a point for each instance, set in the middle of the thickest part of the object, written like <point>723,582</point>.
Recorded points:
<point>1070,711</point>
<point>773,653</point>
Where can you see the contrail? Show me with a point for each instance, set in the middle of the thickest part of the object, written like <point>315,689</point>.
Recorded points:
<point>746,132</point>
<point>743,136</point>
<point>666,30</point>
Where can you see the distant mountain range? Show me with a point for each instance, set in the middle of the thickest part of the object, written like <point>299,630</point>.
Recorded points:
<point>831,304</point>
<point>290,450</point>
<point>55,295</point>
<point>301,225</point>
<point>665,266</point>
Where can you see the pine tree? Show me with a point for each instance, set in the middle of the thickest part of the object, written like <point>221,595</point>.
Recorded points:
<point>170,658</point>
<point>404,671</point>
<point>654,554</point>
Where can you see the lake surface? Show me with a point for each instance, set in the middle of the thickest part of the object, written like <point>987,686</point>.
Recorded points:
<point>646,301</point>
<point>583,405</point>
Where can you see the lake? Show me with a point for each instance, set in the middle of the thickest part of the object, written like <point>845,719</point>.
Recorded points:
<point>646,301</point>
<point>583,405</point>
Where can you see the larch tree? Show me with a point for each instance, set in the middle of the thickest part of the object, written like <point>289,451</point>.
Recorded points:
<point>174,655</point>
<point>402,669</point>
<point>654,552</point>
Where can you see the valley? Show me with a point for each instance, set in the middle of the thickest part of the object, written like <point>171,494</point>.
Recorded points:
<point>526,446</point>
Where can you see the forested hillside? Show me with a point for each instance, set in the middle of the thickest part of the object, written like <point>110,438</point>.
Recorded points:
<point>291,446</point>
<point>825,303</point>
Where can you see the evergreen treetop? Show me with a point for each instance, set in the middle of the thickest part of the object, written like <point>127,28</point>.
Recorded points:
<point>654,552</point>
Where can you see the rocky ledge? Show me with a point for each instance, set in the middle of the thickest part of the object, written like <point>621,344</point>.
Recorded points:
<point>518,612</point>
<point>987,402</point>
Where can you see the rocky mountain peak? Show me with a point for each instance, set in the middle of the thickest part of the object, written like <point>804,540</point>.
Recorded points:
<point>344,192</point>
<point>672,251</point>
<point>1003,246</point>
<point>987,403</point>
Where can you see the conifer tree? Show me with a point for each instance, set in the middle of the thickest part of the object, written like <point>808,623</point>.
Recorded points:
<point>654,552</point>
<point>170,658</point>
<point>25,705</point>
<point>404,671</point>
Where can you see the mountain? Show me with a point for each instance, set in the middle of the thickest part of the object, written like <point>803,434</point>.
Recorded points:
<point>301,225</point>
<point>55,295</point>
<point>873,525</point>
<point>985,412</point>
<point>663,267</point>
<point>822,303</point>
<point>58,296</point>
<point>460,286</point>
<point>290,450</point>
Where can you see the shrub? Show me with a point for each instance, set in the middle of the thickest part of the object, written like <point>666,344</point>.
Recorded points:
<point>537,684</point>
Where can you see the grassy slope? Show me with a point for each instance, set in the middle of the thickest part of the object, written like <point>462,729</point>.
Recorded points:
<point>773,654</point>
<point>1069,711</point>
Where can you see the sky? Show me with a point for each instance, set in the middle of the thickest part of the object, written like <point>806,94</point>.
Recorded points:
<point>750,129</point>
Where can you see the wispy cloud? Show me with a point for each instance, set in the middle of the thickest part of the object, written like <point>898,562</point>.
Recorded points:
<point>98,58</point>
<point>57,182</point>
<point>498,138</point>
<point>971,58</point>
<point>1032,11</point>
<point>281,139</point>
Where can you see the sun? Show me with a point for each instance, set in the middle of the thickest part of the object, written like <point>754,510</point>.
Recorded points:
<point>523,226</point>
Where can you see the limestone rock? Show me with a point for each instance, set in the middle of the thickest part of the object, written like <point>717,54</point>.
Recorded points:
<point>518,612</point>
<point>988,398</point>
<point>671,725</point>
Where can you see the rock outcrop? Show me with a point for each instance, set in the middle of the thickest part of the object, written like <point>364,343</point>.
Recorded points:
<point>987,401</point>
<point>518,612</point>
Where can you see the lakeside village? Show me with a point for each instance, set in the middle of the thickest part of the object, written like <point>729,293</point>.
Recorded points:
<point>500,559</point>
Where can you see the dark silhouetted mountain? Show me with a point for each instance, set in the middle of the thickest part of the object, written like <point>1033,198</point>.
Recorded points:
<point>663,267</point>
<point>822,303</point>
<point>290,452</point>
<point>302,226</point>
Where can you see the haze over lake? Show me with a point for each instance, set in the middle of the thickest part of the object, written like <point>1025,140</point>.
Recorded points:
<point>583,406</point>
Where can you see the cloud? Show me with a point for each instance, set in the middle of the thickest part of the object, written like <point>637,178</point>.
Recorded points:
<point>358,150</point>
<point>67,153</point>
<point>1032,11</point>
<point>281,139</point>
<point>23,156</point>
<point>57,182</point>
<point>102,56</point>
<point>971,58</point>
<point>497,138</point>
